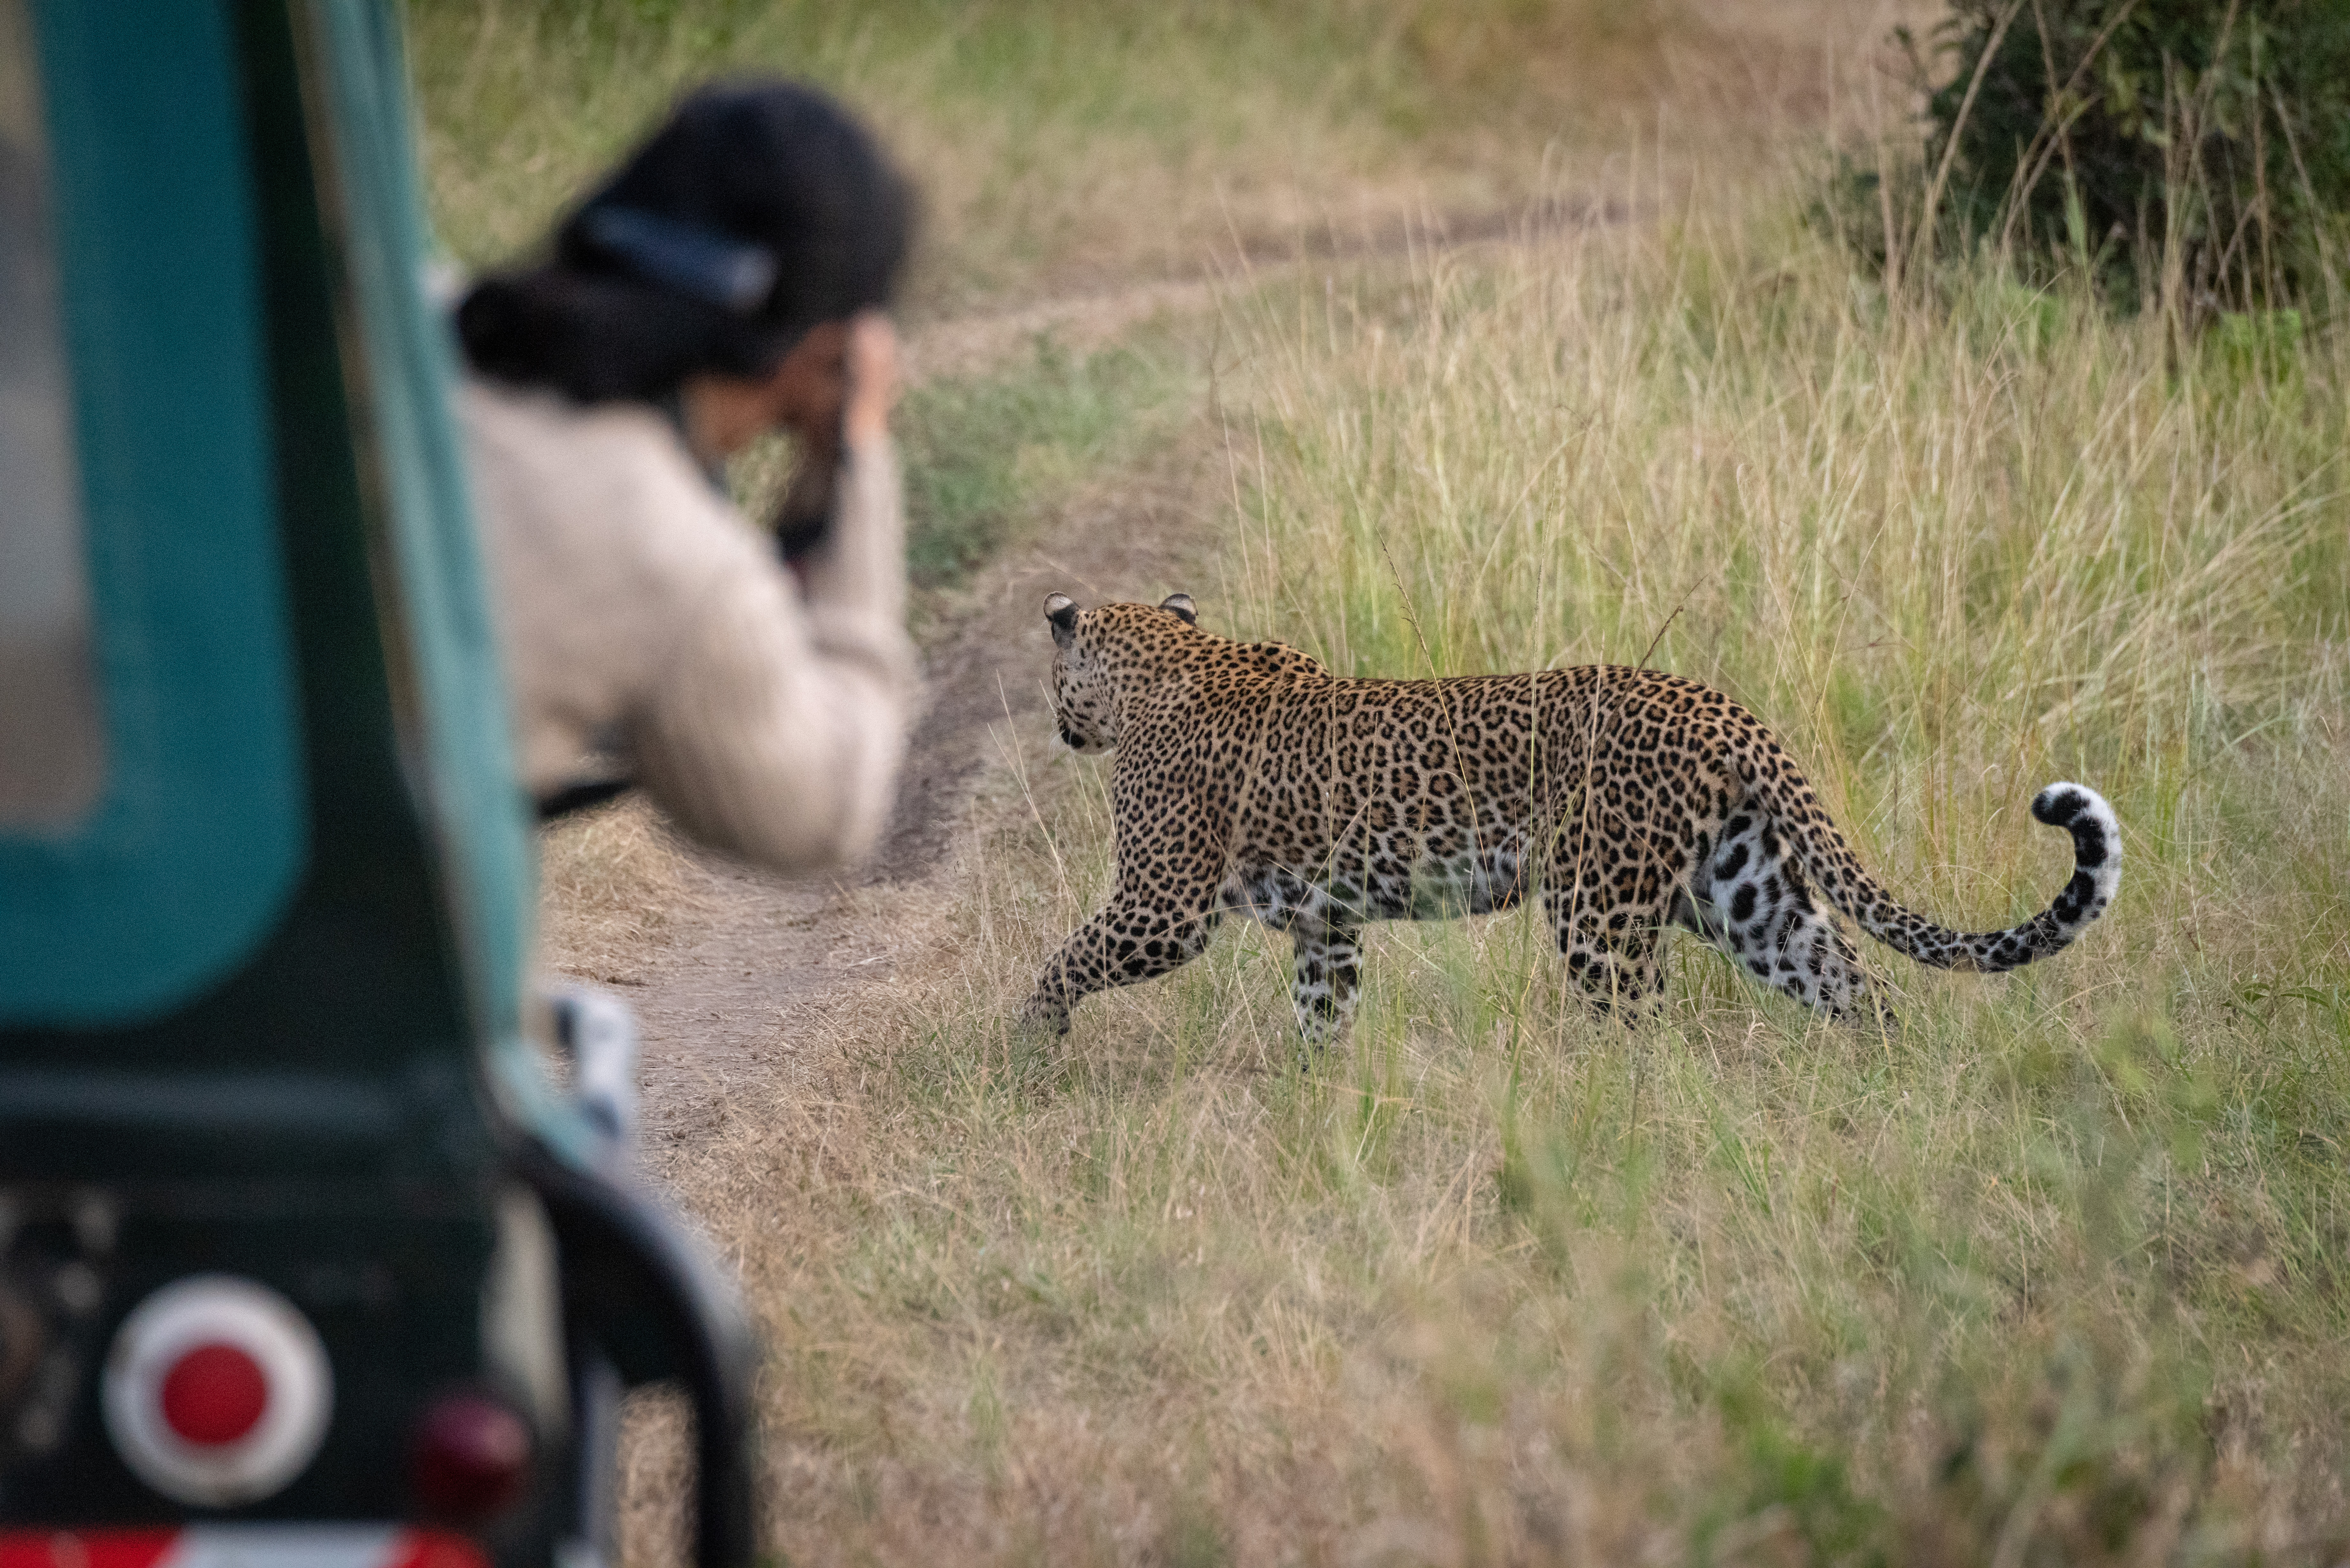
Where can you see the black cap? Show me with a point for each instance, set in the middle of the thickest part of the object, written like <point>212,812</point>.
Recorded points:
<point>758,210</point>
<point>778,173</point>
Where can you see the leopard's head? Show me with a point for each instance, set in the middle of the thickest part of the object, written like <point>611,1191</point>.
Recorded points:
<point>1084,705</point>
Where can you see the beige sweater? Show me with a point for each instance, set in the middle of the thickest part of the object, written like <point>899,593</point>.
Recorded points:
<point>767,721</point>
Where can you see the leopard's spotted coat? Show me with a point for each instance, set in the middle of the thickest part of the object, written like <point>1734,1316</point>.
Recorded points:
<point>1250,780</point>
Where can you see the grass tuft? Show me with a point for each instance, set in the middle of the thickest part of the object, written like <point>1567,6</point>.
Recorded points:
<point>613,880</point>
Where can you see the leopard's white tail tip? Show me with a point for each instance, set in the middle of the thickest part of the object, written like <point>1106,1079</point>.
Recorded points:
<point>2096,851</point>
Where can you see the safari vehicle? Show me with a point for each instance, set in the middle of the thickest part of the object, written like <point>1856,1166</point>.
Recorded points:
<point>303,1260</point>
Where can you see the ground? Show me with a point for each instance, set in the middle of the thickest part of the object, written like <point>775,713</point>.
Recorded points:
<point>1468,337</point>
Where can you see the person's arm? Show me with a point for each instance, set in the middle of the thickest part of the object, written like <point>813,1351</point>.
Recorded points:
<point>775,728</point>
<point>854,580</point>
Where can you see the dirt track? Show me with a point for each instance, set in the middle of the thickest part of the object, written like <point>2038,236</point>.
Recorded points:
<point>748,954</point>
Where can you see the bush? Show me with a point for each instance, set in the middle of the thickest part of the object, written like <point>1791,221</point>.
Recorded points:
<point>2201,146</point>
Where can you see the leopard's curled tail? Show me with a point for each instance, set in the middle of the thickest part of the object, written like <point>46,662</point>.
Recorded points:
<point>1831,866</point>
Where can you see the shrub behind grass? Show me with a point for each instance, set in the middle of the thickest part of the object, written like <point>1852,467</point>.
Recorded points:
<point>2191,151</point>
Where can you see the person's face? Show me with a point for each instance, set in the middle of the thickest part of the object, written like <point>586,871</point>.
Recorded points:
<point>804,394</point>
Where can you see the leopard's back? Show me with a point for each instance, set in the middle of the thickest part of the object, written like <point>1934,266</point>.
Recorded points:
<point>1418,799</point>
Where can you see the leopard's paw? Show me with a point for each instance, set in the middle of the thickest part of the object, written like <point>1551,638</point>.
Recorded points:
<point>1041,1019</point>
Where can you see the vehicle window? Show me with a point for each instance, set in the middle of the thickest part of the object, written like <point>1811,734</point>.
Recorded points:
<point>52,747</point>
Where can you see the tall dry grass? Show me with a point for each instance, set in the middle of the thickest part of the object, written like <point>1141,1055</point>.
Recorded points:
<point>1060,145</point>
<point>614,880</point>
<point>2053,1272</point>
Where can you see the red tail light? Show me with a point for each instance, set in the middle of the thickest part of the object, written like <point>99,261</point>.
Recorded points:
<point>215,1393</point>
<point>471,1457</point>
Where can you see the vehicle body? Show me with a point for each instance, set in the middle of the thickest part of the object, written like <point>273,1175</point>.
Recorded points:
<point>270,1052</point>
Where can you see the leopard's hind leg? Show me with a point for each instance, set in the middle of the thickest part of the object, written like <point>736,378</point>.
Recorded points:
<point>1327,957</point>
<point>1607,916</point>
<point>1748,900</point>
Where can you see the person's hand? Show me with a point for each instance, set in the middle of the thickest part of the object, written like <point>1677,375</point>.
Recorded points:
<point>834,391</point>
<point>872,377</point>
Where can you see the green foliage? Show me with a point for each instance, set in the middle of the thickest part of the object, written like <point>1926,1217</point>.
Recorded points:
<point>2208,137</point>
<point>1783,1490</point>
<point>983,453</point>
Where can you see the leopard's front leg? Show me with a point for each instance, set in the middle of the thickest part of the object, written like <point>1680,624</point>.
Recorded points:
<point>1170,860</point>
<point>1126,943</point>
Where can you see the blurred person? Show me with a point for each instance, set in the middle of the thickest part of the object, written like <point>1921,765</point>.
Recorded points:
<point>726,281</point>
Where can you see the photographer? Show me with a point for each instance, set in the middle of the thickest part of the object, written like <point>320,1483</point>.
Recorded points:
<point>727,281</point>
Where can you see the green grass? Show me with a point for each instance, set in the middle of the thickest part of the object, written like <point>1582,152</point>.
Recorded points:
<point>989,455</point>
<point>985,455</point>
<point>2051,1274</point>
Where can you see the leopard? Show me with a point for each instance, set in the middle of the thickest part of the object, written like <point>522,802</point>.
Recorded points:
<point>1248,780</point>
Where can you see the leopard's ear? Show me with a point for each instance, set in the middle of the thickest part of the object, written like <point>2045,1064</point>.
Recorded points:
<point>1181,605</point>
<point>1062,611</point>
